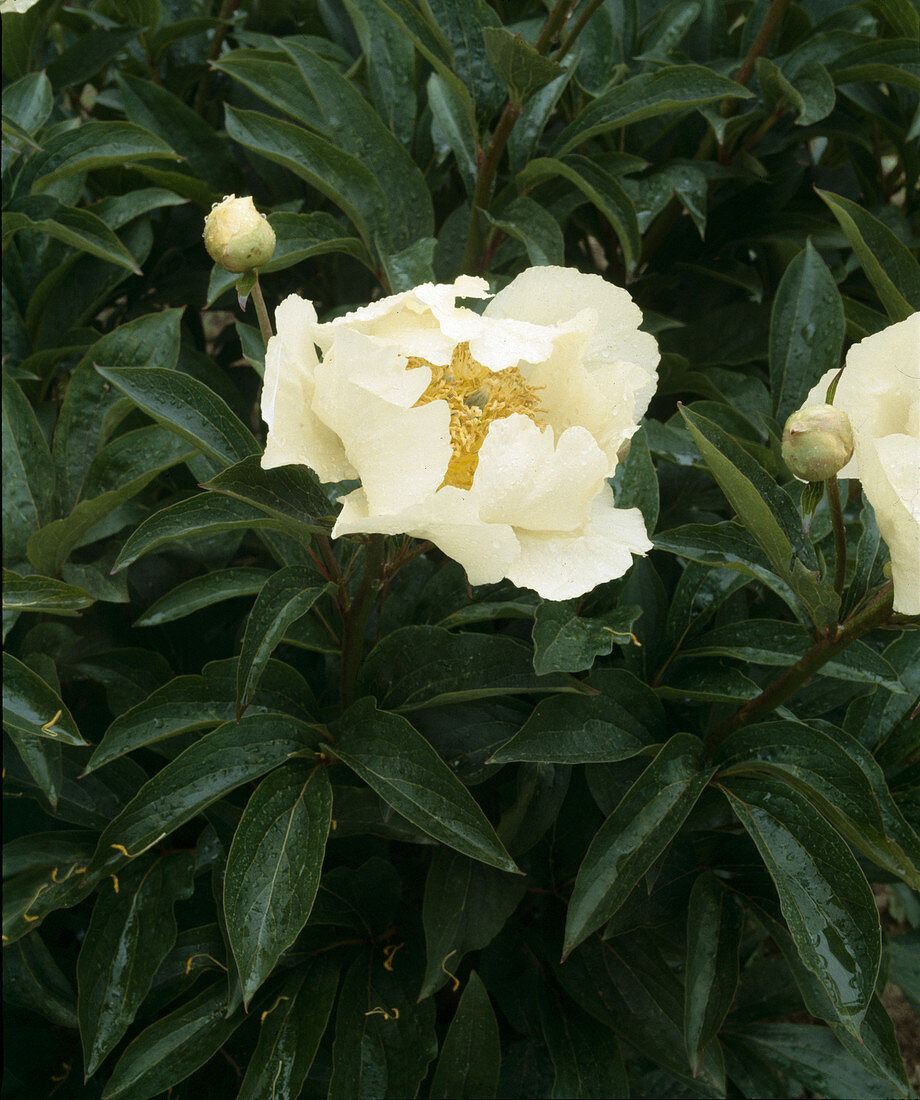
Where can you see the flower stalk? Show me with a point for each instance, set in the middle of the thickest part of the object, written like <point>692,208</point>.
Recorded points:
<point>875,613</point>
<point>258,300</point>
<point>840,534</point>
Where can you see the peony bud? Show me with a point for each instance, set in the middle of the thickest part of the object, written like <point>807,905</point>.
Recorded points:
<point>817,442</point>
<point>237,236</point>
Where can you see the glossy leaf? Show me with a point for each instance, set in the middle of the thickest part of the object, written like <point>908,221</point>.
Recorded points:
<point>465,906</point>
<point>218,763</point>
<point>565,642</point>
<point>521,68</point>
<point>290,1033</point>
<point>470,1058</point>
<point>28,481</point>
<point>33,980</point>
<point>31,707</point>
<point>824,896</point>
<point>534,227</point>
<point>204,591</point>
<point>187,407</point>
<point>586,1056</point>
<point>398,763</point>
<point>390,63</point>
<point>191,703</point>
<point>175,1046</point>
<point>42,594</point>
<point>635,834</point>
<point>889,265</point>
<point>423,666</point>
<point>289,492</point>
<point>274,866</point>
<point>806,331</point>
<point>80,229</point>
<point>131,931</point>
<point>714,927</point>
<point>285,597</point>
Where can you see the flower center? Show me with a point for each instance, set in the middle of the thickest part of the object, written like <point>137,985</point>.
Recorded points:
<point>477,397</point>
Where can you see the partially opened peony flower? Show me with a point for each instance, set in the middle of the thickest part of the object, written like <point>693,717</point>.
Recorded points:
<point>490,435</point>
<point>880,392</point>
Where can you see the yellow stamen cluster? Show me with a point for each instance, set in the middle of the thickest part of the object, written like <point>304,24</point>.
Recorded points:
<point>477,397</point>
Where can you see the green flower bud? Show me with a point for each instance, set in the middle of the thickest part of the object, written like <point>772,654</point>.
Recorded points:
<point>817,442</point>
<point>237,236</point>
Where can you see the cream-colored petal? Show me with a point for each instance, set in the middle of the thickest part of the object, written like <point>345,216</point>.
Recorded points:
<point>891,482</point>
<point>400,454</point>
<point>528,479</point>
<point>295,434</point>
<point>550,295</point>
<point>561,567</point>
<point>449,519</point>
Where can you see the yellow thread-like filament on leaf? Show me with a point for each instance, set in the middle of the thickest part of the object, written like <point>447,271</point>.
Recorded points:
<point>477,397</point>
<point>453,977</point>
<point>388,952</point>
<point>202,955</point>
<point>46,728</point>
<point>393,1014</point>
<point>269,1011</point>
<point>114,879</point>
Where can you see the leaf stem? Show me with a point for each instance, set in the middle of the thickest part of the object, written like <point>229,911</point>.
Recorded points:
<point>876,612</point>
<point>265,325</point>
<point>357,616</point>
<point>840,534</point>
<point>580,24</point>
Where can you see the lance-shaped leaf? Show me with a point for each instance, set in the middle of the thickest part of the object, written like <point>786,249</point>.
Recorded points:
<point>582,729</point>
<point>889,265</point>
<point>204,591</point>
<point>28,475</point>
<point>566,642</point>
<point>470,1059</point>
<point>285,597</point>
<point>289,492</point>
<point>768,513</point>
<point>586,1056</point>
<point>635,834</point>
<point>174,1047</point>
<point>37,593</point>
<point>465,906</point>
<point>274,866</point>
<point>80,229</point>
<point>291,1032</point>
<point>824,895</point>
<point>398,763</point>
<point>384,1042</point>
<point>202,514</point>
<point>521,68</point>
<point>30,706</point>
<point>33,980</point>
<point>131,931</point>
<point>714,925</point>
<point>806,330</point>
<point>236,753</point>
<point>840,777</point>
<point>190,703</point>
<point>187,407</point>
<point>656,93</point>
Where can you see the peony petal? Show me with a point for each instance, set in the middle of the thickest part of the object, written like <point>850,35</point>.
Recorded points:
<point>554,295</point>
<point>401,453</point>
<point>891,482</point>
<point>295,434</point>
<point>450,520</point>
<point>527,479</point>
<point>561,567</point>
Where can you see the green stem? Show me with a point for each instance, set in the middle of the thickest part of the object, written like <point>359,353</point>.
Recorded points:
<point>876,612</point>
<point>265,325</point>
<point>553,25</point>
<point>840,534</point>
<point>357,615</point>
<point>771,21</point>
<point>227,8</point>
<point>580,24</point>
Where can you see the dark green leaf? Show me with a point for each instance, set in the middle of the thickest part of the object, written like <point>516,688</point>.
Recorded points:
<point>399,764</point>
<point>201,592</point>
<point>291,1032</point>
<point>285,597</point>
<point>635,834</point>
<point>28,479</point>
<point>185,406</point>
<point>889,265</point>
<point>290,492</point>
<point>42,594</point>
<point>466,905</point>
<point>636,483</point>
<point>672,88</point>
<point>585,1054</point>
<point>520,67</point>
<point>824,895</point>
<point>537,230</point>
<point>174,1047</point>
<point>80,229</point>
<point>714,926</point>
<point>274,866</point>
<point>806,331</point>
<point>564,642</point>
<point>423,666</point>
<point>33,980</point>
<point>218,763</point>
<point>390,65</point>
<point>131,931</point>
<point>31,707</point>
<point>470,1059</point>
<point>411,266</point>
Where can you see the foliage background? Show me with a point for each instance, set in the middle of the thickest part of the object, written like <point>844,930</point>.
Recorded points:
<point>749,171</point>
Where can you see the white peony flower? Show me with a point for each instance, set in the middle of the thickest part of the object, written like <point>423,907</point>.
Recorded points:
<point>490,435</point>
<point>19,7</point>
<point>880,392</point>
